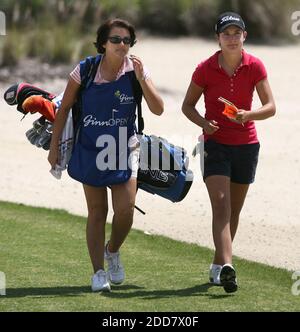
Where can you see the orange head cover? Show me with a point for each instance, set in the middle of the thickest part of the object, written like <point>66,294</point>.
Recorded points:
<point>230,110</point>
<point>41,105</point>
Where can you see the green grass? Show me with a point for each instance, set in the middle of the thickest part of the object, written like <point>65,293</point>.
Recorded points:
<point>44,256</point>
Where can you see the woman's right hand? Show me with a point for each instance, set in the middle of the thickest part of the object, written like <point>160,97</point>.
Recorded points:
<point>210,127</point>
<point>53,156</point>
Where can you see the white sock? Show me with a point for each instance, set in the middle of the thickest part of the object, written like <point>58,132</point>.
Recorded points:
<point>214,266</point>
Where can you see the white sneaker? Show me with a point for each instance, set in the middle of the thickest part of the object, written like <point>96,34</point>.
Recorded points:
<point>214,274</point>
<point>100,282</point>
<point>115,270</point>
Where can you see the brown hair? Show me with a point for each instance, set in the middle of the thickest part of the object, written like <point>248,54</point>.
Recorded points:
<point>105,28</point>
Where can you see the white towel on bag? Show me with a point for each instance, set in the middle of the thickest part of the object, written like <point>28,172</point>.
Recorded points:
<point>65,143</point>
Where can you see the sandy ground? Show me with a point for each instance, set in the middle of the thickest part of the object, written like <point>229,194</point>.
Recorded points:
<point>269,230</point>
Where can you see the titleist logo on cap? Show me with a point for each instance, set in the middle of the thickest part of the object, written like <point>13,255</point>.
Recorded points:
<point>229,18</point>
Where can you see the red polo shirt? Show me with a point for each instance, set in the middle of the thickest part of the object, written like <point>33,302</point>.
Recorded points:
<point>238,89</point>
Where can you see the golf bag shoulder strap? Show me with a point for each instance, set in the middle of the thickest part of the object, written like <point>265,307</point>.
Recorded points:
<point>138,95</point>
<point>88,69</point>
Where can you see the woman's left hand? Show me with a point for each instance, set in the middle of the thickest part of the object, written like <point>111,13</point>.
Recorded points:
<point>138,67</point>
<point>153,99</point>
<point>242,116</point>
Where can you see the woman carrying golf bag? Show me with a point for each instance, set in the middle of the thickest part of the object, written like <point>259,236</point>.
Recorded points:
<point>107,111</point>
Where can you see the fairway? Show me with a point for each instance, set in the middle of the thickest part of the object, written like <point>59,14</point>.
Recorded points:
<point>45,260</point>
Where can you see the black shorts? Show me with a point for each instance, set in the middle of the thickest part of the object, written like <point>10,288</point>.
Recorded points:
<point>238,162</point>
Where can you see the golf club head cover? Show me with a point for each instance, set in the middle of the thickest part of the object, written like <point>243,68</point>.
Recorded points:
<point>38,104</point>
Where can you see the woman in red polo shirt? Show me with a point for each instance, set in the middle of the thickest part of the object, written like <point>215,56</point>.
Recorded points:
<point>231,146</point>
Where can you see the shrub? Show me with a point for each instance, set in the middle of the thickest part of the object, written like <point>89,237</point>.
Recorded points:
<point>12,49</point>
<point>163,17</point>
<point>200,17</point>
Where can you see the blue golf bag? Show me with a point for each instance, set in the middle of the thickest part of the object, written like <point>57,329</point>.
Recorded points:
<point>163,168</point>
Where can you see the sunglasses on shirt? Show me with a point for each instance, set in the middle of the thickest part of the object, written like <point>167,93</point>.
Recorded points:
<point>118,40</point>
